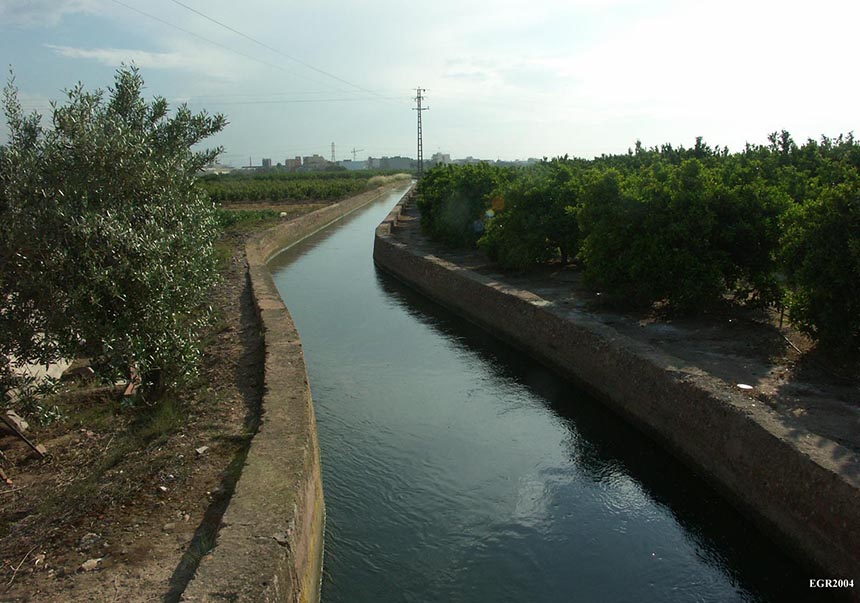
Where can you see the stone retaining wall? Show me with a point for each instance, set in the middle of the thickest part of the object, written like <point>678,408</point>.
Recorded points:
<point>800,488</point>
<point>270,545</point>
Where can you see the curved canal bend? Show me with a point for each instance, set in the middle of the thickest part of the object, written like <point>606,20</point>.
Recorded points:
<point>457,469</point>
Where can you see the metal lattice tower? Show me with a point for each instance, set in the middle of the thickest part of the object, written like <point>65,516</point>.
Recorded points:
<point>332,153</point>
<point>419,108</point>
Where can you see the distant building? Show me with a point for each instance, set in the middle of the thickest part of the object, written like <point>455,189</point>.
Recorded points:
<point>314,163</point>
<point>440,159</point>
<point>267,163</point>
<point>351,165</point>
<point>293,165</point>
<point>397,163</point>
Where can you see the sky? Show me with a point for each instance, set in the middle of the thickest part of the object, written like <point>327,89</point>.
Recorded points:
<point>504,79</point>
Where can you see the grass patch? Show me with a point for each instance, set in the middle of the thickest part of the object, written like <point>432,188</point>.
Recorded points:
<point>97,415</point>
<point>151,426</point>
<point>160,420</point>
<point>224,248</point>
<point>239,439</point>
<point>235,223</point>
<point>243,220</point>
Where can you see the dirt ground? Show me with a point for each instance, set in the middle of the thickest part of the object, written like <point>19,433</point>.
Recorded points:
<point>128,499</point>
<point>807,388</point>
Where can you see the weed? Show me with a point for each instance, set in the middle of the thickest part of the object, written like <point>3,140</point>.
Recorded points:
<point>31,398</point>
<point>157,422</point>
<point>243,220</point>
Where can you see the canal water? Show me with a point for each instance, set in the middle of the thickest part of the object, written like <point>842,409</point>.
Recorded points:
<point>457,469</point>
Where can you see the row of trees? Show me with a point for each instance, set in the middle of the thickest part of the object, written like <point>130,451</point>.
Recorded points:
<point>773,224</point>
<point>251,189</point>
<point>281,174</point>
<point>286,186</point>
<point>106,241</point>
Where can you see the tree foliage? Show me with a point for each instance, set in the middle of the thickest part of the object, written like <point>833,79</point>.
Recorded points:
<point>105,240</point>
<point>535,217</point>
<point>454,200</point>
<point>681,234</point>
<point>691,227</point>
<point>284,186</point>
<point>821,252</point>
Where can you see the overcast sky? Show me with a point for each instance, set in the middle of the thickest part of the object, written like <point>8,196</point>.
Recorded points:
<point>504,79</point>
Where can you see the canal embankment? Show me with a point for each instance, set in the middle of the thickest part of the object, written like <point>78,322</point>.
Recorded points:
<point>270,544</point>
<point>801,487</point>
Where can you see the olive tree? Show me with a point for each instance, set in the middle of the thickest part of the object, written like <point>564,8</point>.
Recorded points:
<point>106,243</point>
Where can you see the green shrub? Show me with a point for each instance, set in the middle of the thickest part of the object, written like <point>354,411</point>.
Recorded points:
<point>231,218</point>
<point>106,243</point>
<point>692,227</point>
<point>680,234</point>
<point>613,227</point>
<point>453,200</point>
<point>536,218</point>
<point>286,186</point>
<point>821,259</point>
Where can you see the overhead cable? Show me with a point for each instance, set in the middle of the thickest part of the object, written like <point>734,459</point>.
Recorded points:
<point>276,50</point>
<point>227,48</point>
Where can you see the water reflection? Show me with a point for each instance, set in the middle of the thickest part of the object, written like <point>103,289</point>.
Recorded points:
<point>634,478</point>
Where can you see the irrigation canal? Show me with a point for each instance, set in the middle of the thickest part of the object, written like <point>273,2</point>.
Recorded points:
<point>457,469</point>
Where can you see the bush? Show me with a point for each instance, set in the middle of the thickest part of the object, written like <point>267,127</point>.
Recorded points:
<point>681,234</point>
<point>692,227</point>
<point>535,218</point>
<point>821,259</point>
<point>106,244</point>
<point>612,223</point>
<point>230,219</point>
<point>278,185</point>
<point>453,200</point>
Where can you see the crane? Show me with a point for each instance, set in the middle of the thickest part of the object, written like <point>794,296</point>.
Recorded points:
<point>354,151</point>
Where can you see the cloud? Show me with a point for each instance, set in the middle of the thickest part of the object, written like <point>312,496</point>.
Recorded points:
<point>196,61</point>
<point>42,12</point>
<point>114,57</point>
<point>471,76</point>
<point>537,77</point>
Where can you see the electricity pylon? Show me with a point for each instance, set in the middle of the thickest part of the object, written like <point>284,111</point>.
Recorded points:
<point>419,108</point>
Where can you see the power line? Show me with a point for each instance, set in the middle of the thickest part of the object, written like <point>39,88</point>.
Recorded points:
<point>275,50</point>
<point>303,151</point>
<point>280,93</point>
<point>281,101</point>
<point>219,45</point>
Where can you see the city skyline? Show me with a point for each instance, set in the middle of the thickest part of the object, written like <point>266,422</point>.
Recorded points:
<point>544,79</point>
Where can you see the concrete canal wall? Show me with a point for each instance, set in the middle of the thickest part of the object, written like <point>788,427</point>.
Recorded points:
<point>800,488</point>
<point>270,545</point>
